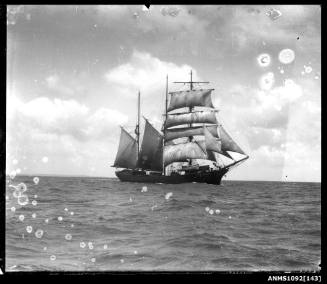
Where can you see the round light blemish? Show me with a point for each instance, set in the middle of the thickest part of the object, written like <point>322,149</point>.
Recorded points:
<point>72,213</point>
<point>33,215</point>
<point>45,159</point>
<point>23,200</point>
<point>144,189</point>
<point>93,259</point>
<point>105,247</point>
<point>29,229</point>
<point>207,209</point>
<point>68,237</point>
<point>264,60</point>
<point>36,180</point>
<point>210,211</point>
<point>34,202</point>
<point>82,244</point>
<point>217,211</point>
<point>60,218</point>
<point>286,56</point>
<point>52,257</point>
<point>13,209</point>
<point>21,218</point>
<point>39,233</point>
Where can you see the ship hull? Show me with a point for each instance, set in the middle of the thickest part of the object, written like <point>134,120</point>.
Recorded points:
<point>210,177</point>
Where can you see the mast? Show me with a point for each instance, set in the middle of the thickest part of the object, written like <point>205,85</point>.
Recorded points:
<point>166,113</point>
<point>191,82</point>
<point>138,125</point>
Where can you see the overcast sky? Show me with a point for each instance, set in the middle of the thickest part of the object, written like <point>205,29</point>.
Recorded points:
<point>73,73</point>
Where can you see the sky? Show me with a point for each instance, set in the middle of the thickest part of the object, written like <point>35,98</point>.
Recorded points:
<point>73,74</point>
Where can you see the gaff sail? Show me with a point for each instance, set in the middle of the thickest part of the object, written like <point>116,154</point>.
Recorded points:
<point>127,151</point>
<point>150,157</point>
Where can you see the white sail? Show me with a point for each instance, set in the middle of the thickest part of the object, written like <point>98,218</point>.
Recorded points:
<point>175,133</point>
<point>150,157</point>
<point>227,143</point>
<point>192,117</point>
<point>190,98</point>
<point>182,152</point>
<point>127,151</point>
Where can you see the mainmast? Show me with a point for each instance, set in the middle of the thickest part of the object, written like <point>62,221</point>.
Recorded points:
<point>191,82</point>
<point>137,130</point>
<point>166,113</point>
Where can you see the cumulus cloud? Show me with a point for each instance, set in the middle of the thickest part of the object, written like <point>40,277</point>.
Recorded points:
<point>145,73</point>
<point>63,117</point>
<point>63,130</point>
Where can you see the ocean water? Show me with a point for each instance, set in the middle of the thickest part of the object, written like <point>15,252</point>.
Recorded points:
<point>125,226</point>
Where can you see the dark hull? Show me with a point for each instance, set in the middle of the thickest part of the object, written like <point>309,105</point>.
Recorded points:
<point>210,177</point>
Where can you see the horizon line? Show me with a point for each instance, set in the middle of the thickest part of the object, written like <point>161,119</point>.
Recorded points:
<point>108,177</point>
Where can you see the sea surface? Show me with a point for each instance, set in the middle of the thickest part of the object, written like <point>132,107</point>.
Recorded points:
<point>253,226</point>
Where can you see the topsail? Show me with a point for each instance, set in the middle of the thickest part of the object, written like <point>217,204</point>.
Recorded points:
<point>192,117</point>
<point>127,151</point>
<point>190,98</point>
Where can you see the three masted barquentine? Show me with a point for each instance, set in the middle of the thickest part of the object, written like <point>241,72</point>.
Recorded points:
<point>189,148</point>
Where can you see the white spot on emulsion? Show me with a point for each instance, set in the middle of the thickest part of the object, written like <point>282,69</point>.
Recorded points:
<point>168,195</point>
<point>18,171</point>
<point>264,60</point>
<point>21,218</point>
<point>15,162</point>
<point>93,259</point>
<point>144,189</point>
<point>29,229</point>
<point>286,56</point>
<point>33,215</point>
<point>23,200</point>
<point>207,209</point>
<point>12,174</point>
<point>210,211</point>
<point>82,244</point>
<point>39,233</point>
<point>68,237</point>
<point>267,80</point>
<point>307,69</point>
<point>60,218</point>
<point>217,211</point>
<point>52,257</point>
<point>36,180</point>
<point>105,247</point>
<point>45,159</point>
<point>13,209</point>
<point>34,202</point>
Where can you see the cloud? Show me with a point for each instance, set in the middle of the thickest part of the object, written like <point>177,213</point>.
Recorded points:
<point>62,117</point>
<point>145,73</point>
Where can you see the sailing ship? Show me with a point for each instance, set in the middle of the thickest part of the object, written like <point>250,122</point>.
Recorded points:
<point>189,148</point>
